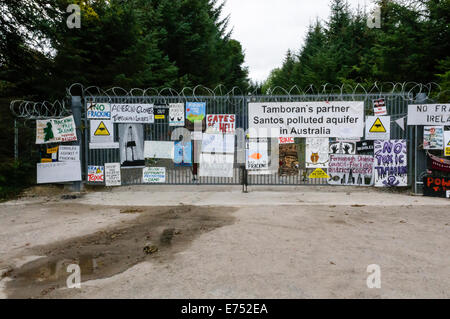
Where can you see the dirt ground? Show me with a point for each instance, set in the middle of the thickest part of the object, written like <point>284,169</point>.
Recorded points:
<point>217,242</point>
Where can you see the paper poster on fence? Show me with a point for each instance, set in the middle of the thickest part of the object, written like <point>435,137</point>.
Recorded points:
<point>195,111</point>
<point>56,130</point>
<point>378,127</point>
<point>390,163</point>
<point>447,143</point>
<point>112,174</point>
<point>342,148</point>
<point>364,147</point>
<point>131,143</point>
<point>183,153</point>
<point>379,107</point>
<point>132,113</point>
<point>96,174</point>
<point>288,158</point>
<point>58,172</point>
<point>102,131</point>
<point>433,137</point>
<point>257,155</point>
<point>216,165</point>
<point>98,111</point>
<point>317,152</point>
<point>307,119</point>
<point>69,153</point>
<point>220,123</point>
<point>355,170</point>
<point>429,114</point>
<point>286,140</point>
<point>154,175</point>
<point>159,149</point>
<point>218,143</point>
<point>176,114</point>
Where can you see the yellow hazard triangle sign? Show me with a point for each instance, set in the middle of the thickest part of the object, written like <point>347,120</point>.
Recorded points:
<point>101,130</point>
<point>377,127</point>
<point>319,173</point>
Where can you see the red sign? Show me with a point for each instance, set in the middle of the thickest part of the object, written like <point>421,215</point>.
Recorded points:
<point>286,140</point>
<point>220,123</point>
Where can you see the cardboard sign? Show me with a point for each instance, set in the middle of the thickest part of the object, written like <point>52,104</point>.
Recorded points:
<point>342,147</point>
<point>390,163</point>
<point>447,143</point>
<point>176,114</point>
<point>433,137</point>
<point>69,153</point>
<point>364,147</point>
<point>158,149</point>
<point>220,123</point>
<point>96,174</point>
<point>355,170</point>
<point>378,127</point>
<point>286,140</point>
<point>58,172</point>
<point>307,119</point>
<point>112,174</point>
<point>379,107</point>
<point>99,111</point>
<point>436,186</point>
<point>102,131</point>
<point>257,156</point>
<point>318,173</point>
<point>216,165</point>
<point>429,114</point>
<point>132,113</point>
<point>195,111</point>
<point>56,130</point>
<point>317,152</point>
<point>154,175</point>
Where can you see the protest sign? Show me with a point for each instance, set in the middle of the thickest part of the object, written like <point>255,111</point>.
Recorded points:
<point>220,123</point>
<point>131,145</point>
<point>176,114</point>
<point>364,147</point>
<point>45,133</point>
<point>216,165</point>
<point>447,143</point>
<point>286,140</point>
<point>433,137</point>
<point>378,127</point>
<point>154,175</point>
<point>288,158</point>
<point>437,163</point>
<point>316,152</point>
<point>96,173</point>
<point>69,153</point>
<point>195,111</point>
<point>183,153</point>
<point>58,172</point>
<point>429,114</point>
<point>102,131</point>
<point>257,155</point>
<point>390,163</point>
<point>160,112</point>
<point>98,111</point>
<point>379,107</point>
<point>436,186</point>
<point>307,119</point>
<point>218,143</point>
<point>112,174</point>
<point>354,170</point>
<point>318,173</point>
<point>132,113</point>
<point>56,130</point>
<point>342,147</point>
<point>159,149</point>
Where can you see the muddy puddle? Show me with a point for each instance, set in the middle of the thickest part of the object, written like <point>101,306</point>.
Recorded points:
<point>156,235</point>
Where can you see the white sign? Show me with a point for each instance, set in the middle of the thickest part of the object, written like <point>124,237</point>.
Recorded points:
<point>257,156</point>
<point>390,163</point>
<point>103,146</point>
<point>56,130</point>
<point>216,165</point>
<point>379,107</point>
<point>69,153</point>
<point>307,119</point>
<point>99,111</point>
<point>218,143</point>
<point>102,131</point>
<point>220,123</point>
<point>154,175</point>
<point>132,113</point>
<point>429,114</point>
<point>433,138</point>
<point>317,152</point>
<point>176,114</point>
<point>354,170</point>
<point>157,149</point>
<point>58,172</point>
<point>378,127</point>
<point>112,174</point>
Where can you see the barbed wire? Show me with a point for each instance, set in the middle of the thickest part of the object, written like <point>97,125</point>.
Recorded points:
<point>407,91</point>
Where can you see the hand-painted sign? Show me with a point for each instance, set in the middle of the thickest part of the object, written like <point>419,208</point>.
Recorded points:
<point>286,140</point>
<point>318,173</point>
<point>429,114</point>
<point>354,170</point>
<point>317,152</point>
<point>438,164</point>
<point>158,149</point>
<point>378,127</point>
<point>216,165</point>
<point>45,132</point>
<point>379,107</point>
<point>390,163</point>
<point>307,119</point>
<point>218,143</point>
<point>176,114</point>
<point>56,130</point>
<point>132,113</point>
<point>364,147</point>
<point>58,172</point>
<point>436,186</point>
<point>257,156</point>
<point>220,123</point>
<point>102,131</point>
<point>96,173</point>
<point>69,153</point>
<point>433,137</point>
<point>112,174</point>
<point>99,111</point>
<point>195,111</point>
<point>154,175</point>
<point>183,154</point>
<point>342,147</point>
<point>447,143</point>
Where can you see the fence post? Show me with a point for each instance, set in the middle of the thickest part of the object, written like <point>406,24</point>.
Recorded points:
<point>76,111</point>
<point>16,141</point>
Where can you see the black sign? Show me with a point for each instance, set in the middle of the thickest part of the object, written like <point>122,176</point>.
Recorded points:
<point>364,147</point>
<point>436,186</point>
<point>161,112</point>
